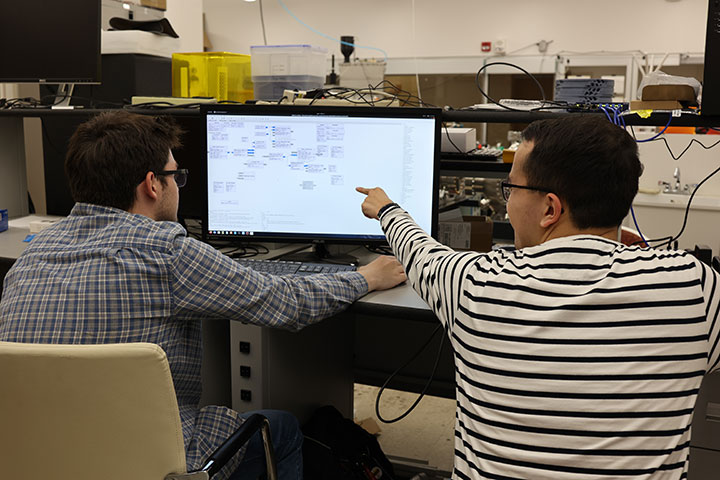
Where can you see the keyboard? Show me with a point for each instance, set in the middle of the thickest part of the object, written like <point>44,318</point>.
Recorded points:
<point>285,267</point>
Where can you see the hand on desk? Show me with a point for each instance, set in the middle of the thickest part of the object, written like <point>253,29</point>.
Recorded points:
<point>383,273</point>
<point>375,200</point>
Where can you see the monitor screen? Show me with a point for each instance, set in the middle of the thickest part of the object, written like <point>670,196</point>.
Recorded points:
<point>286,173</point>
<point>50,41</point>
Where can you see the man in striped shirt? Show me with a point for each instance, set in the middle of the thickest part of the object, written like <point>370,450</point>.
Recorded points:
<point>121,269</point>
<point>576,357</point>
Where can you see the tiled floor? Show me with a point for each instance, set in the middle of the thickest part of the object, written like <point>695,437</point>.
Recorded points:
<point>425,437</point>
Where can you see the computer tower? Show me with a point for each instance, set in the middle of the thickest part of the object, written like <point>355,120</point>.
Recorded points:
<point>293,371</point>
<point>711,81</point>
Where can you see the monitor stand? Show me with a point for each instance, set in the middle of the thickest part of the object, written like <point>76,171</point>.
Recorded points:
<point>63,95</point>
<point>320,253</point>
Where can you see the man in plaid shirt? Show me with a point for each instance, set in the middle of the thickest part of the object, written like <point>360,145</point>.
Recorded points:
<point>121,269</point>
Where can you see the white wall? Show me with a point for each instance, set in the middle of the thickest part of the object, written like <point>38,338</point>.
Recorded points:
<point>457,27</point>
<point>185,16</point>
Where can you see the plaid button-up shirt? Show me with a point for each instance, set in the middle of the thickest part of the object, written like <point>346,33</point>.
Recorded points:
<point>103,275</point>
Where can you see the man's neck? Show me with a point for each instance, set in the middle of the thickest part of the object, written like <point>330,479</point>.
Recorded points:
<point>559,231</point>
<point>140,209</point>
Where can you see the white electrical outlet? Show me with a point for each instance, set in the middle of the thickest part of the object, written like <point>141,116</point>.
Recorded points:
<point>499,47</point>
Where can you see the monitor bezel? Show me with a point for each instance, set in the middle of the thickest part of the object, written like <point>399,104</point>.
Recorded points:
<point>329,110</point>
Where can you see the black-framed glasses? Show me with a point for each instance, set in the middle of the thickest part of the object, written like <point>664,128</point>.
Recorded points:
<point>180,175</point>
<point>507,189</point>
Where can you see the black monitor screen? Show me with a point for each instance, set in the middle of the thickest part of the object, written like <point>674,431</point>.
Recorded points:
<point>50,41</point>
<point>289,173</point>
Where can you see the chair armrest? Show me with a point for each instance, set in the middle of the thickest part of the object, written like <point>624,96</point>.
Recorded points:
<point>232,445</point>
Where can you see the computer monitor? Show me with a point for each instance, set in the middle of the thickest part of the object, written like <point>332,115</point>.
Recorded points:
<point>711,90</point>
<point>45,41</point>
<point>288,174</point>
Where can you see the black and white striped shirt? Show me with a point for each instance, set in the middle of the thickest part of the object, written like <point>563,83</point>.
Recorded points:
<point>579,358</point>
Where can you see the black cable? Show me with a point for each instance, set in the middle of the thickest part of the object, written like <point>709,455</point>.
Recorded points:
<point>163,105</point>
<point>447,133</point>
<point>670,239</point>
<point>318,95</point>
<point>425,388</point>
<point>89,100</point>
<point>249,250</point>
<point>482,92</point>
<point>420,102</point>
<point>381,249</point>
<point>667,145</point>
<point>687,208</point>
<point>24,102</point>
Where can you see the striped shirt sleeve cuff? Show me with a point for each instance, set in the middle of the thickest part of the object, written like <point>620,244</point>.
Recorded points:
<point>388,207</point>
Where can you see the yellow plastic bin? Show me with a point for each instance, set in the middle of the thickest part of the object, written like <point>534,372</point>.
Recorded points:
<point>222,75</point>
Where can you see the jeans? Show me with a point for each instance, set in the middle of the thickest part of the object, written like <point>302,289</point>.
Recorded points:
<point>287,441</point>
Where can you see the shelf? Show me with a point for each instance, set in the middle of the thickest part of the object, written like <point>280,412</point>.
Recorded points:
<point>500,116</point>
<point>469,116</point>
<point>470,168</point>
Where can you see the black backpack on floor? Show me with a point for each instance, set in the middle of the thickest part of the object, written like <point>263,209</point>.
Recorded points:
<point>336,448</point>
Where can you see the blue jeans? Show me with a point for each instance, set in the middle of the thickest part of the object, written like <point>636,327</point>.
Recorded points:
<point>287,440</point>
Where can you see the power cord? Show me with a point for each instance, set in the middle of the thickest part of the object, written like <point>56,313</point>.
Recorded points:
<point>670,239</point>
<point>685,217</point>
<point>447,133</point>
<point>512,65</point>
<point>618,119</point>
<point>425,388</point>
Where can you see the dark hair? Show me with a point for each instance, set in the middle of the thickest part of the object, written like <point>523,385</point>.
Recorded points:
<point>591,164</point>
<point>110,154</point>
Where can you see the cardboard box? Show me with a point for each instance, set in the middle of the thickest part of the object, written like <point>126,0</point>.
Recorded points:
<point>508,155</point>
<point>681,93</point>
<point>655,105</point>
<point>472,233</point>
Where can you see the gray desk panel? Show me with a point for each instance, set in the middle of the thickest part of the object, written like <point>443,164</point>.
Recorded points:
<point>11,243</point>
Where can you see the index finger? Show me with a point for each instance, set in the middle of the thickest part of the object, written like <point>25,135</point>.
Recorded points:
<point>363,190</point>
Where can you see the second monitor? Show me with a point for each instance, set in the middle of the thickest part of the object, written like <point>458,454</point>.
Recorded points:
<point>283,173</point>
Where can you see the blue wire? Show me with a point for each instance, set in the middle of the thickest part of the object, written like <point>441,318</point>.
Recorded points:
<point>637,227</point>
<point>606,114</point>
<point>328,36</point>
<point>658,135</point>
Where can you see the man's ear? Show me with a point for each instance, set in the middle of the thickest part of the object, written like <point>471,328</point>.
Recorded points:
<point>553,210</point>
<point>148,187</point>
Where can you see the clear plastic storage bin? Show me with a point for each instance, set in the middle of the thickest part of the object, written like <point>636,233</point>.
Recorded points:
<point>276,68</point>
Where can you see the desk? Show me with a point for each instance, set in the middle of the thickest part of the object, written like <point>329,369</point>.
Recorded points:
<point>300,371</point>
<point>12,244</point>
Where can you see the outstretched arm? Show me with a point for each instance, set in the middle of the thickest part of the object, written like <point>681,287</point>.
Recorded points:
<point>434,270</point>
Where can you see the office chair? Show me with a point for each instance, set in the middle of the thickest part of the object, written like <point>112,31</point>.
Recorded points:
<point>88,412</point>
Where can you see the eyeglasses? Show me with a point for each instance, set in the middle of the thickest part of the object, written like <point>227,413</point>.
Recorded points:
<point>180,175</point>
<point>507,189</point>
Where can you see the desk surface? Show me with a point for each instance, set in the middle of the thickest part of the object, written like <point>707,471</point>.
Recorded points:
<point>11,240</point>
<point>400,297</point>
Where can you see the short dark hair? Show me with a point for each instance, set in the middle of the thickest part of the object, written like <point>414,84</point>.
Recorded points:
<point>109,156</point>
<point>590,163</point>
